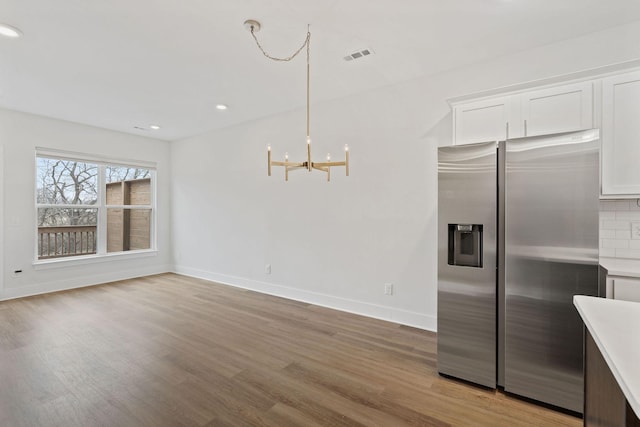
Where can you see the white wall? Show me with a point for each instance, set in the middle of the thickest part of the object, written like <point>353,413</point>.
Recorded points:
<point>20,134</point>
<point>331,243</point>
<point>336,244</point>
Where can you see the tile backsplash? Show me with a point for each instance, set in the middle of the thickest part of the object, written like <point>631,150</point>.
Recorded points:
<point>616,219</point>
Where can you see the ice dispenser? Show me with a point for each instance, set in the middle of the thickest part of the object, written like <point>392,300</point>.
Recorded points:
<point>465,245</point>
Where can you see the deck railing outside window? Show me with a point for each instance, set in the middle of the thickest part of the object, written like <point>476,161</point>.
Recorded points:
<point>68,240</point>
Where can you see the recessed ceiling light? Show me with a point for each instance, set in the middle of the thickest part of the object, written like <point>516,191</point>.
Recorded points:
<point>154,127</point>
<point>221,107</point>
<point>9,31</point>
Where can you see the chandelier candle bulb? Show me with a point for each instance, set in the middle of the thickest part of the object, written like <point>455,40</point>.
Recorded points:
<point>286,166</point>
<point>346,159</point>
<point>309,153</point>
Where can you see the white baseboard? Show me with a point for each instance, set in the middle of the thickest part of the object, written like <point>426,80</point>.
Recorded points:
<point>75,282</point>
<point>404,317</point>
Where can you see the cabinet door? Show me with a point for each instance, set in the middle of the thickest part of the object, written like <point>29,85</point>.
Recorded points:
<point>558,109</point>
<point>621,135</point>
<point>483,121</point>
<point>626,289</point>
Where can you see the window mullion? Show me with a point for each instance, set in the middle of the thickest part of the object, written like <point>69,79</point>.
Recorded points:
<point>102,211</point>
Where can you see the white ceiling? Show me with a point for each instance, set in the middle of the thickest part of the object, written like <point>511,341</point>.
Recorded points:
<point>118,64</point>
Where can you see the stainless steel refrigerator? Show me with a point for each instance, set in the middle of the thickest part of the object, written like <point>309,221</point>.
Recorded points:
<point>517,238</point>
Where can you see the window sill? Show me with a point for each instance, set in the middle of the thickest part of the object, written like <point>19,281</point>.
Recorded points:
<point>92,259</point>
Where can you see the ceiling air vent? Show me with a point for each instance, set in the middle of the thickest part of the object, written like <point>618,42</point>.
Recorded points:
<point>359,54</point>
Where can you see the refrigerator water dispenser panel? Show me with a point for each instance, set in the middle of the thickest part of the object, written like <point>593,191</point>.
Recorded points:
<point>465,245</point>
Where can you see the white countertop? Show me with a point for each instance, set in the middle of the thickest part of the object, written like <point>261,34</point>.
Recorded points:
<point>614,326</point>
<point>621,267</point>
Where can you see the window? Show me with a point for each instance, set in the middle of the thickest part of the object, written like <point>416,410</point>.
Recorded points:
<point>91,207</point>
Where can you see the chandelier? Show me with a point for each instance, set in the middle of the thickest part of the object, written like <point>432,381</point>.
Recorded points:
<point>254,26</point>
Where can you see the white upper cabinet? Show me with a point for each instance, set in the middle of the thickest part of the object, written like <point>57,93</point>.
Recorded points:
<point>558,109</point>
<point>538,112</point>
<point>565,107</point>
<point>621,135</point>
<point>482,121</point>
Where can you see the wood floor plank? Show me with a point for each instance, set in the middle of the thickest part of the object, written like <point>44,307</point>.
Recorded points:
<point>170,350</point>
<point>285,415</point>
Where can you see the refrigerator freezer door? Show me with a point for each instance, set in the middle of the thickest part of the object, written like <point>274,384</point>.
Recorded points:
<point>551,208</point>
<point>467,293</point>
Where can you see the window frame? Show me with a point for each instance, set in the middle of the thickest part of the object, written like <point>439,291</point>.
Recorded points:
<point>102,162</point>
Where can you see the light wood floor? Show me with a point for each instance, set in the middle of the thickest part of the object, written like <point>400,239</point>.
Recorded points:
<point>169,350</point>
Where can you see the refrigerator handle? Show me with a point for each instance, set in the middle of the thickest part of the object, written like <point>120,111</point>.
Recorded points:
<point>507,130</point>
<point>525,127</point>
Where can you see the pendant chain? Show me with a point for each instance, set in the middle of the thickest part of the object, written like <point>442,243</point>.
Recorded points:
<point>287,58</point>
<point>307,43</point>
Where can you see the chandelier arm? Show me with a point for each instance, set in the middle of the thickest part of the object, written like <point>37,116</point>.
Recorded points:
<point>319,165</point>
<point>290,165</point>
<point>326,169</point>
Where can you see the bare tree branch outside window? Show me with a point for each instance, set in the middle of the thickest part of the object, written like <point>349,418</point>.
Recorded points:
<point>67,182</point>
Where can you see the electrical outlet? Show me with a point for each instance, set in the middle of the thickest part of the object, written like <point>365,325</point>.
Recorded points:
<point>267,269</point>
<point>635,230</point>
<point>388,288</point>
